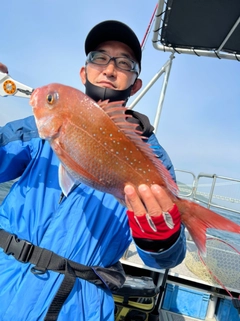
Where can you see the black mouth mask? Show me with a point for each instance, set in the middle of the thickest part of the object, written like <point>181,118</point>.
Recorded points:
<point>99,93</point>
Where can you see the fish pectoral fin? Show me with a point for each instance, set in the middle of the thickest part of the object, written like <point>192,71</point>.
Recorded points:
<point>66,181</point>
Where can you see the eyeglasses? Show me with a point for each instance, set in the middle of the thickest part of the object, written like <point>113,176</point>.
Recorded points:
<point>124,63</point>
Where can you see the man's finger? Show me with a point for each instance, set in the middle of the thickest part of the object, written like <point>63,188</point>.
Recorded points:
<point>162,197</point>
<point>152,205</point>
<point>133,201</point>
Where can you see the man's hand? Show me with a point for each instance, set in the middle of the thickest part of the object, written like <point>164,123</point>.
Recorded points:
<point>3,68</point>
<point>152,215</point>
<point>155,200</point>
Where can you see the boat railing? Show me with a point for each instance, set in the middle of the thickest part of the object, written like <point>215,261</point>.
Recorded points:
<point>213,191</point>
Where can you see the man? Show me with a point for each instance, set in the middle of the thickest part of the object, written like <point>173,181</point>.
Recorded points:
<point>87,226</point>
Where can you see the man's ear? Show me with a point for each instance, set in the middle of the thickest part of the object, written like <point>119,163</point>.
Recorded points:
<point>136,86</point>
<point>83,75</point>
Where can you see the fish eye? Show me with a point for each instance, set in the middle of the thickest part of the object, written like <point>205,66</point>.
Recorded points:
<point>52,97</point>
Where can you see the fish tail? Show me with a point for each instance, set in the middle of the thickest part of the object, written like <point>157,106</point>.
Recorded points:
<point>197,219</point>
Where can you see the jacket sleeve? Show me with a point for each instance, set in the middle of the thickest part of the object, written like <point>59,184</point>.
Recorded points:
<point>16,147</point>
<point>176,253</point>
<point>161,154</point>
<point>168,258</point>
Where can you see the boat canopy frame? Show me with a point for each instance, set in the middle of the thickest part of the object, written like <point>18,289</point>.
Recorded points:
<point>198,27</point>
<point>195,27</point>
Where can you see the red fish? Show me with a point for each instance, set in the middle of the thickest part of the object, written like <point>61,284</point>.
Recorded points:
<point>99,147</point>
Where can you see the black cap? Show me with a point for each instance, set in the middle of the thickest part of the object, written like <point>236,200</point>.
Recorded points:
<point>113,30</point>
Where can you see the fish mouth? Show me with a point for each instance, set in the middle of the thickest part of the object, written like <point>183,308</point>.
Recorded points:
<point>33,98</point>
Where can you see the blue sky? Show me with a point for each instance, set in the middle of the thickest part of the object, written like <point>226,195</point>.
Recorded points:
<point>43,42</point>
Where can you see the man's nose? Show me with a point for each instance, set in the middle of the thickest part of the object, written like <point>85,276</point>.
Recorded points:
<point>110,69</point>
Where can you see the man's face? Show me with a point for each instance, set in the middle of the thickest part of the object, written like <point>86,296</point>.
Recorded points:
<point>110,76</point>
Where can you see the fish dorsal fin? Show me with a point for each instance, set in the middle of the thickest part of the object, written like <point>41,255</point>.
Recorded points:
<point>116,112</point>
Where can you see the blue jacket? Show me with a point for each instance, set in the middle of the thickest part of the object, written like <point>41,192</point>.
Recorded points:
<point>88,227</point>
